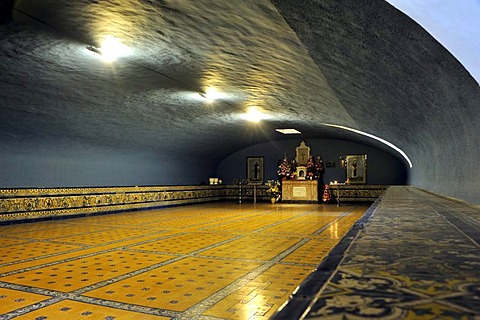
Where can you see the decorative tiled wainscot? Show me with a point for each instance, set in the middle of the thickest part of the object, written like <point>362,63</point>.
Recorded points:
<point>19,204</point>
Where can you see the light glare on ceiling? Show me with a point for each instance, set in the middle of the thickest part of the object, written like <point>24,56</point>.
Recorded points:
<point>391,145</point>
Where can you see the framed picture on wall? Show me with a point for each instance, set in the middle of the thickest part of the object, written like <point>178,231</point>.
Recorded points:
<point>303,154</point>
<point>255,170</point>
<point>356,168</point>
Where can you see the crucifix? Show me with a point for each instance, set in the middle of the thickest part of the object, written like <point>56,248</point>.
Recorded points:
<point>255,170</point>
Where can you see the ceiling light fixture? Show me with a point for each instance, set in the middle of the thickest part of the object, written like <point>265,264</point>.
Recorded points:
<point>110,49</point>
<point>288,131</point>
<point>391,145</point>
<point>254,115</point>
<point>94,49</point>
<point>211,94</point>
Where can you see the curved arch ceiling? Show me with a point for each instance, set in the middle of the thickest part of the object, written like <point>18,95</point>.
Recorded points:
<point>366,67</point>
<point>456,25</point>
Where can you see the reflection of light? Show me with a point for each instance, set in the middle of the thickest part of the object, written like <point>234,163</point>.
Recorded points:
<point>254,115</point>
<point>253,307</point>
<point>334,230</point>
<point>391,145</point>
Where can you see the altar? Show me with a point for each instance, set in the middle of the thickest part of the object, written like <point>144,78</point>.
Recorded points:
<point>300,191</point>
<point>300,178</point>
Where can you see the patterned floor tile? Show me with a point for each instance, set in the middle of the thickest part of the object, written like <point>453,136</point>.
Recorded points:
<point>77,310</point>
<point>255,247</point>
<point>313,252</point>
<point>183,244</point>
<point>176,286</point>
<point>263,295</point>
<point>102,237</point>
<point>13,299</point>
<point>217,261</point>
<point>32,250</point>
<point>79,273</point>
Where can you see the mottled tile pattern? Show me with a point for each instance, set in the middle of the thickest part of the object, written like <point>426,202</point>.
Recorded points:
<point>409,262</point>
<point>217,261</point>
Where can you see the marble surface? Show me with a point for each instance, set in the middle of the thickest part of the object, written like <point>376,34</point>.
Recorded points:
<point>411,261</point>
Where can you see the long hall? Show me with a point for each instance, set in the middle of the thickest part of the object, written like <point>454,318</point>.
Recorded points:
<point>409,255</point>
<point>253,159</point>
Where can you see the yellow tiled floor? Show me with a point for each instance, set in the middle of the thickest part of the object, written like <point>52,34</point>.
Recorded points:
<point>261,297</point>
<point>177,286</point>
<point>68,309</point>
<point>79,273</point>
<point>226,261</point>
<point>13,299</point>
<point>30,250</point>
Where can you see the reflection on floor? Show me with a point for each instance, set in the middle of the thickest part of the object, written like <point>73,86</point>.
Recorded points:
<point>417,258</point>
<point>219,261</point>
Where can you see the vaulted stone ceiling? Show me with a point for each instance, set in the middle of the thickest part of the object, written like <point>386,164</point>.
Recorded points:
<point>303,63</point>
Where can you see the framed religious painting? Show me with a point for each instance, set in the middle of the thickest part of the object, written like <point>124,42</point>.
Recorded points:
<point>303,154</point>
<point>356,168</point>
<point>255,170</point>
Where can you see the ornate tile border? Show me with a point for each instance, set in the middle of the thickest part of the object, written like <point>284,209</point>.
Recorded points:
<point>25,204</point>
<point>358,193</point>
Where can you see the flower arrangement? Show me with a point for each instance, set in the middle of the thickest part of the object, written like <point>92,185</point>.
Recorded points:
<point>287,170</point>
<point>319,168</point>
<point>284,169</point>
<point>311,174</point>
<point>274,190</point>
<point>293,169</point>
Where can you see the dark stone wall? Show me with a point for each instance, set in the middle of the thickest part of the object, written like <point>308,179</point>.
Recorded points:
<point>382,168</point>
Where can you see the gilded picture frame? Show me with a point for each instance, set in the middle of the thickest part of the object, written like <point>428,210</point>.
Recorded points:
<point>356,168</point>
<point>302,154</point>
<point>255,170</point>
